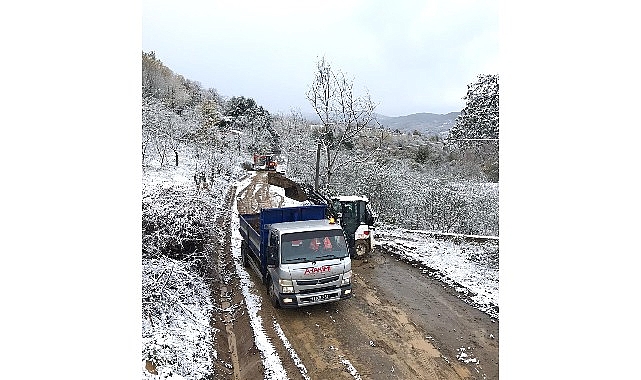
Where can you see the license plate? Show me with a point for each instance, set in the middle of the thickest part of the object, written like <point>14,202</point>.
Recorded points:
<point>320,298</point>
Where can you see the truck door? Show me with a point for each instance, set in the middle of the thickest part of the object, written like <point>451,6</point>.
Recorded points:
<point>273,249</point>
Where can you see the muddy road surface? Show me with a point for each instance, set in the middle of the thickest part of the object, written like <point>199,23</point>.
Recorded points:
<point>399,324</point>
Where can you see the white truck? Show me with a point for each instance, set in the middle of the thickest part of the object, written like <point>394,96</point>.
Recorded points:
<point>299,255</point>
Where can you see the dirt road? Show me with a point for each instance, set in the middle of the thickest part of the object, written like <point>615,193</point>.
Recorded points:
<point>400,323</point>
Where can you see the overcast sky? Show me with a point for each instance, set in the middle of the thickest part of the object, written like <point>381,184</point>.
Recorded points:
<point>412,55</point>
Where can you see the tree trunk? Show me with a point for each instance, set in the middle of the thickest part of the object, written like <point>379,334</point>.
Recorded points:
<point>329,168</point>
<point>318,152</point>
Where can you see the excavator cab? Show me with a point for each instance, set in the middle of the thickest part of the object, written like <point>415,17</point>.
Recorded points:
<point>357,220</point>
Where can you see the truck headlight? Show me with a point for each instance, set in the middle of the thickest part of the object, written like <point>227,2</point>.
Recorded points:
<point>287,286</point>
<point>347,278</point>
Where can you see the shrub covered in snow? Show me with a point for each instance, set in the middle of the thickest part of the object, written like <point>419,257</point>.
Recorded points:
<point>176,225</point>
<point>176,311</point>
<point>177,305</point>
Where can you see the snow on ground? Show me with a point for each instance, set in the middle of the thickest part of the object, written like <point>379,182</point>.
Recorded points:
<point>177,178</point>
<point>287,202</point>
<point>181,342</point>
<point>299,363</point>
<point>465,357</point>
<point>176,333</point>
<point>470,267</point>
<point>178,338</point>
<point>350,368</point>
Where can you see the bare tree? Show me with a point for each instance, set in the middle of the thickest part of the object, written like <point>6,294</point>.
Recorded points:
<point>343,114</point>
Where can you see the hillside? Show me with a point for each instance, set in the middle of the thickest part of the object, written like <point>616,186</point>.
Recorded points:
<point>426,123</point>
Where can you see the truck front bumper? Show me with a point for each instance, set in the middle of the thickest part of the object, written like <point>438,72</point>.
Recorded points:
<point>293,300</point>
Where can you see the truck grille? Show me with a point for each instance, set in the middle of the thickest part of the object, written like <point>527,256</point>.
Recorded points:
<point>317,281</point>
<point>316,290</point>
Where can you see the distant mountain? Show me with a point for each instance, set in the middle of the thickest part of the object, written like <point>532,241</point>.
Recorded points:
<point>426,123</point>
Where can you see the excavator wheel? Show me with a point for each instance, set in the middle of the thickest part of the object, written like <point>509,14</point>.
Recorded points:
<point>360,250</point>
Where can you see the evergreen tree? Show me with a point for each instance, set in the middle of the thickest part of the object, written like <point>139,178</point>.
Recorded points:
<point>479,120</point>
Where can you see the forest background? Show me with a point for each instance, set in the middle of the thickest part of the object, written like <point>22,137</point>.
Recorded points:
<point>414,181</point>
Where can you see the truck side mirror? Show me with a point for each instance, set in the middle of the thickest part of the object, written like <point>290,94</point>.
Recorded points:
<point>272,255</point>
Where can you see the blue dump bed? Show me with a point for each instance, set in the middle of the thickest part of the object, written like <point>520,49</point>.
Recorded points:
<point>253,227</point>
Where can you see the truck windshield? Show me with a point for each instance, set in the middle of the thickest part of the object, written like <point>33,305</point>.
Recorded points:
<point>309,246</point>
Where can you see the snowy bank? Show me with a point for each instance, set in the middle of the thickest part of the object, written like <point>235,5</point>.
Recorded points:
<point>471,267</point>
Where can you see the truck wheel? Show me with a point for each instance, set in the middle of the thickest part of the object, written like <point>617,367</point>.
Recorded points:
<point>272,294</point>
<point>361,249</point>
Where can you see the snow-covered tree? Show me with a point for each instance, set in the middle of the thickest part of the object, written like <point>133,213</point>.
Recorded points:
<point>297,145</point>
<point>476,131</point>
<point>343,114</point>
<point>155,117</point>
<point>479,120</point>
<point>160,82</point>
<point>245,114</point>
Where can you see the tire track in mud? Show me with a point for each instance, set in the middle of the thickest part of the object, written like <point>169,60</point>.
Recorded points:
<point>452,325</point>
<point>238,357</point>
<point>378,339</point>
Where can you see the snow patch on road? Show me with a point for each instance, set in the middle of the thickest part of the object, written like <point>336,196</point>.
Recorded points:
<point>292,352</point>
<point>465,357</point>
<point>350,368</point>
